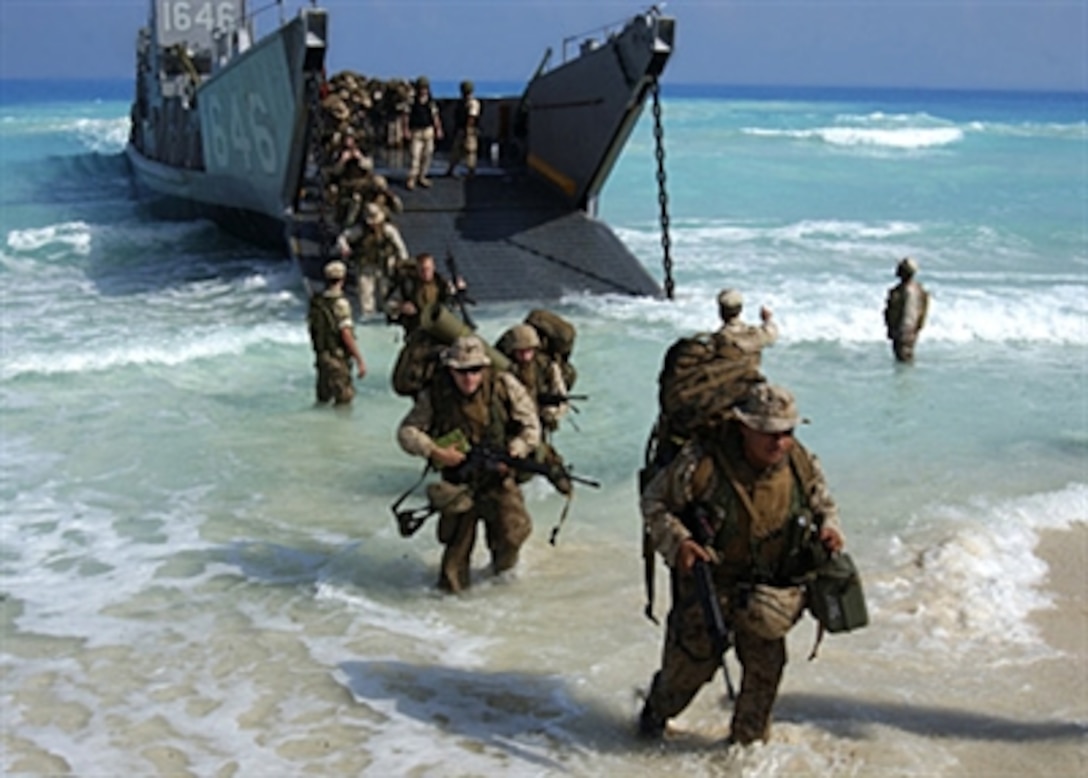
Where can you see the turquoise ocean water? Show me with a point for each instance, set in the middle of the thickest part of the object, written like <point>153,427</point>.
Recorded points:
<point>200,572</point>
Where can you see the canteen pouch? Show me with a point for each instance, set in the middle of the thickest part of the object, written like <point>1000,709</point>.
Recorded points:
<point>835,596</point>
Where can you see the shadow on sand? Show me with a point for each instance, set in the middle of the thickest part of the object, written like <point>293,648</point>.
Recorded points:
<point>850,718</point>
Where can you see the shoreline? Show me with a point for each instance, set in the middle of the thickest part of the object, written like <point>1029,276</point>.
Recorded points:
<point>1064,626</point>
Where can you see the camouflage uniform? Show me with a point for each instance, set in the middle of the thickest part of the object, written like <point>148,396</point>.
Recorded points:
<point>330,312</point>
<point>465,138</point>
<point>418,356</point>
<point>424,127</point>
<point>376,248</point>
<point>540,376</point>
<point>905,311</point>
<point>748,549</point>
<point>734,334</point>
<point>500,414</point>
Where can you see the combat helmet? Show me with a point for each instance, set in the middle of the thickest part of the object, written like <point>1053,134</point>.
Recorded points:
<point>906,268</point>
<point>768,408</point>
<point>466,353</point>
<point>467,87</point>
<point>522,336</point>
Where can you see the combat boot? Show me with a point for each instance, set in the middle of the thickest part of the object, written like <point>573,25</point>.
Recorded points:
<point>650,726</point>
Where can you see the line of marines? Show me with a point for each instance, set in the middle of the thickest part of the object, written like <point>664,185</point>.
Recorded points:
<point>727,491</point>
<point>360,117</point>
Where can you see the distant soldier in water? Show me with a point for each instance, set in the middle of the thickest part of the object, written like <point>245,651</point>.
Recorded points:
<point>746,338</point>
<point>465,140</point>
<point>376,247</point>
<point>424,128</point>
<point>905,310</point>
<point>333,339</point>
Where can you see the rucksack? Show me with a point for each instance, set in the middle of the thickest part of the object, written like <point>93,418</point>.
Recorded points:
<point>701,379</point>
<point>556,340</point>
<point>416,364</point>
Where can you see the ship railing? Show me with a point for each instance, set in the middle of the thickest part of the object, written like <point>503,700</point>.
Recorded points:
<point>585,42</point>
<point>251,16</point>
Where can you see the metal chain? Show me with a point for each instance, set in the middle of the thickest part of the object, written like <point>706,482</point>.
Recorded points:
<point>662,194</point>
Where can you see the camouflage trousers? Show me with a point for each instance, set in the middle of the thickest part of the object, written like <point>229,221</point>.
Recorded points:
<point>465,145</point>
<point>688,662</point>
<point>373,287</point>
<point>903,348</point>
<point>334,378</point>
<point>507,526</point>
<point>421,151</point>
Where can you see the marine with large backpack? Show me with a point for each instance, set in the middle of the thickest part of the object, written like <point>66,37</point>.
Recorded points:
<point>770,524</point>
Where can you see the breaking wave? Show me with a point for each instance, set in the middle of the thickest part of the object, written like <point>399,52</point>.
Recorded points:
<point>892,138</point>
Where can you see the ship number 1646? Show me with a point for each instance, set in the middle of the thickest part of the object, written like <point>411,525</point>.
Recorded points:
<point>182,16</point>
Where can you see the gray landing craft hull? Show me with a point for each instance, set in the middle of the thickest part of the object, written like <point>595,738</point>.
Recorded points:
<point>230,144</point>
<point>523,228</point>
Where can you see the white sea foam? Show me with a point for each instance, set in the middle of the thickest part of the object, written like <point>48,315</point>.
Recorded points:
<point>57,239</point>
<point>104,136</point>
<point>178,349</point>
<point>906,138</point>
<point>980,580</point>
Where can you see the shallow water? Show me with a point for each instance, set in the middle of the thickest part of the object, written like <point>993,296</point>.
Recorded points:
<point>201,572</point>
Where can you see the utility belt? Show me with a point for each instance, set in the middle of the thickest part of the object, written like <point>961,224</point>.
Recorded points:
<point>337,353</point>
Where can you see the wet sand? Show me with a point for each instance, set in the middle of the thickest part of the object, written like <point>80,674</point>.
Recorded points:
<point>1053,737</point>
<point>1065,626</point>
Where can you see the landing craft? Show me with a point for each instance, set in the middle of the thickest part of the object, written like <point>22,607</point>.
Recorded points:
<point>225,126</point>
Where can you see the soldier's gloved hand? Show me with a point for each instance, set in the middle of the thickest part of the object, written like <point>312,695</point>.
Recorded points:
<point>688,553</point>
<point>832,539</point>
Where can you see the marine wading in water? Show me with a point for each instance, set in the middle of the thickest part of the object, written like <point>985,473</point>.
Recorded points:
<point>483,417</point>
<point>741,513</point>
<point>333,339</point>
<point>905,310</point>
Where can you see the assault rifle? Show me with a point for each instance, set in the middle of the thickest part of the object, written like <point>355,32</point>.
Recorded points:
<point>486,458</point>
<point>696,519</point>
<point>549,398</point>
<point>460,293</point>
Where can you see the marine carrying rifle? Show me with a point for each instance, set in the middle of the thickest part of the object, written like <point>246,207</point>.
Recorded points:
<point>478,458</point>
<point>489,458</point>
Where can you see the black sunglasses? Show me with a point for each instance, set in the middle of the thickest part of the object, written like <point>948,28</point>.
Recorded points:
<point>468,370</point>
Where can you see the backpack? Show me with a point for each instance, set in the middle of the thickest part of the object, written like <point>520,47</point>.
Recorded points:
<point>700,382</point>
<point>556,340</point>
<point>416,364</point>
